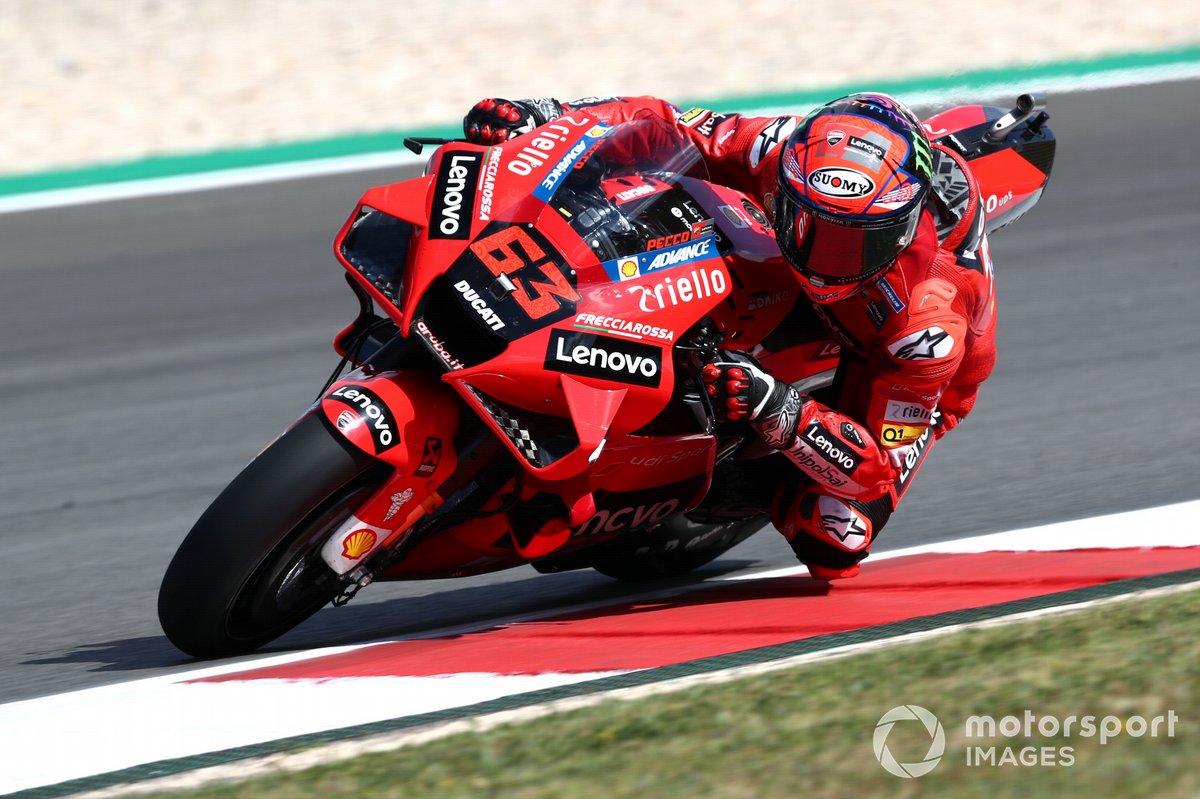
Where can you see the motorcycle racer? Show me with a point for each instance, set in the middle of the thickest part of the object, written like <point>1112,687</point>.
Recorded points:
<point>884,231</point>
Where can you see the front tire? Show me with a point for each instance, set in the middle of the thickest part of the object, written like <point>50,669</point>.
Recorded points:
<point>251,569</point>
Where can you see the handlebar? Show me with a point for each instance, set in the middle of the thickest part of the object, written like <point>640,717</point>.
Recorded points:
<point>1027,106</point>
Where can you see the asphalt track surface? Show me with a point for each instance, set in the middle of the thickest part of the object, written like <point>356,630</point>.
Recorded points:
<point>150,348</point>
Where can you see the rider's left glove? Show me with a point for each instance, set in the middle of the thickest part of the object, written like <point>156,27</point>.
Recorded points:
<point>742,391</point>
<point>494,121</point>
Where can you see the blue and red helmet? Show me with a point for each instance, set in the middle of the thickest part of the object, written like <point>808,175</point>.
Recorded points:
<point>853,180</point>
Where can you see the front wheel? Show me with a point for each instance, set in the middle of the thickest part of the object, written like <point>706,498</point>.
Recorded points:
<point>251,567</point>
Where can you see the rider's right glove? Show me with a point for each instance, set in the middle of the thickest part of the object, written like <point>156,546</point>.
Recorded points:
<point>493,121</point>
<point>741,391</point>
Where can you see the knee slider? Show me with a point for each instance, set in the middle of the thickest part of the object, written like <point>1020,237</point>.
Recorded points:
<point>829,531</point>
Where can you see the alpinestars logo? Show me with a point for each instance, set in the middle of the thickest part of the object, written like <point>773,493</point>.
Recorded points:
<point>840,521</point>
<point>927,345</point>
<point>779,429</point>
<point>771,137</point>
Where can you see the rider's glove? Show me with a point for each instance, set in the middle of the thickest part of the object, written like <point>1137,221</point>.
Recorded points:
<point>493,121</point>
<point>741,391</point>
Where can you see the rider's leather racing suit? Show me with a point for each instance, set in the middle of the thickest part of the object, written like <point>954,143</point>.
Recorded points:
<point>916,342</point>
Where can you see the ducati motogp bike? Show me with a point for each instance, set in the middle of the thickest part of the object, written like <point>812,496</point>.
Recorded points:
<point>524,375</point>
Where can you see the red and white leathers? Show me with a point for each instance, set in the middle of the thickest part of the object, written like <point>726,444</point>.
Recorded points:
<point>917,341</point>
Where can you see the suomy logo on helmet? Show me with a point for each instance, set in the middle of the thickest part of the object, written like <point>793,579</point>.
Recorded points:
<point>836,181</point>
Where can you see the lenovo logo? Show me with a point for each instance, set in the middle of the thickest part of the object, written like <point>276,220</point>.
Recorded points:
<point>454,196</point>
<point>604,357</point>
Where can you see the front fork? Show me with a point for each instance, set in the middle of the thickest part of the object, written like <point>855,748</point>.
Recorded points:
<point>407,419</point>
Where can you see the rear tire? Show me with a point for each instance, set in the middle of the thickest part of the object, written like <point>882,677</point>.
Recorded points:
<point>251,569</point>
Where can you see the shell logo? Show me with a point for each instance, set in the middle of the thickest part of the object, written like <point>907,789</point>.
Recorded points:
<point>358,543</point>
<point>629,267</point>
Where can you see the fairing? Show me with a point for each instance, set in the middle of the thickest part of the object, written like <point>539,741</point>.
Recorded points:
<point>1012,172</point>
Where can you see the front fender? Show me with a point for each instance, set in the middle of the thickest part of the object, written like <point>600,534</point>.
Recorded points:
<point>406,418</point>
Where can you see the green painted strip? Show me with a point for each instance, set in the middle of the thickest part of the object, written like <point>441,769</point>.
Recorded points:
<point>387,141</point>
<point>1187,56</point>
<point>199,163</point>
<point>764,654</point>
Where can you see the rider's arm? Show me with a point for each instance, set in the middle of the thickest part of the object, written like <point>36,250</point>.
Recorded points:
<point>735,147</point>
<point>857,449</point>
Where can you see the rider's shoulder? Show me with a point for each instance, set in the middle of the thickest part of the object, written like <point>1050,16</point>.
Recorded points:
<point>769,135</point>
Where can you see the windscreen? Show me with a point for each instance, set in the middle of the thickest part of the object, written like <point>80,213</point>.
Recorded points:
<point>620,189</point>
<point>624,196</point>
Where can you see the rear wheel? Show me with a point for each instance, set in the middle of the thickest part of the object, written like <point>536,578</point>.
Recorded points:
<point>251,567</point>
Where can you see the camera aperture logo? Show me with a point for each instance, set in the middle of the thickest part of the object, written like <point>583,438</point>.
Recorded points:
<point>917,768</point>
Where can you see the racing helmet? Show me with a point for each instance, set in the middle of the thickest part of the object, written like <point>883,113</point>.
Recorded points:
<point>853,180</point>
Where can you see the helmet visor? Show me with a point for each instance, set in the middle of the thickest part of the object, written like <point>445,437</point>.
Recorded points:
<point>836,252</point>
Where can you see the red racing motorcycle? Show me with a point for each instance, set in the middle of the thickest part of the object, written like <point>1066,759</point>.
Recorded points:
<point>524,384</point>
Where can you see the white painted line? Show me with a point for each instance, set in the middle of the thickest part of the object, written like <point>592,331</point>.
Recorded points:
<point>385,742</point>
<point>98,730</point>
<point>1175,525</point>
<point>65,737</point>
<point>220,179</point>
<point>1000,91</point>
